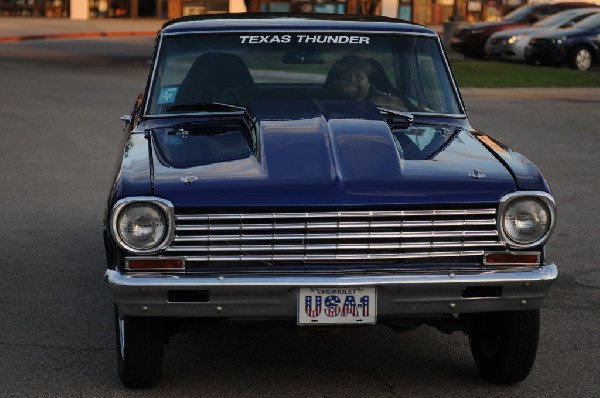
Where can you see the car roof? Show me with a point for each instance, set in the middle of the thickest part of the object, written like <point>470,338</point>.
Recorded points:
<point>260,22</point>
<point>577,11</point>
<point>563,2</point>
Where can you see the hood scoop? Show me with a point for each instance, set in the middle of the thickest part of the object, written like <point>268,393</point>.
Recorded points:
<point>422,142</point>
<point>190,145</point>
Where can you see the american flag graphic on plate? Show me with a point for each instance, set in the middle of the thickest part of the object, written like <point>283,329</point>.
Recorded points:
<point>335,305</point>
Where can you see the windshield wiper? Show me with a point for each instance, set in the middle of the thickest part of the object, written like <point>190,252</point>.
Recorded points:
<point>206,107</point>
<point>408,118</point>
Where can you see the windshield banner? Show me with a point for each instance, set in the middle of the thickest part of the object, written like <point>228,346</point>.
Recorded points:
<point>304,39</point>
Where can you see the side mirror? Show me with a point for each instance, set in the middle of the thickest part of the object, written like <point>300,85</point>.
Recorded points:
<point>138,102</point>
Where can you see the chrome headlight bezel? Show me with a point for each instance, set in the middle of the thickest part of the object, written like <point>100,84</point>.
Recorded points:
<point>508,200</point>
<point>162,205</point>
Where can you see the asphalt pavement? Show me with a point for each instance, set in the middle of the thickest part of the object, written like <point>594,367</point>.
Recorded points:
<point>61,137</point>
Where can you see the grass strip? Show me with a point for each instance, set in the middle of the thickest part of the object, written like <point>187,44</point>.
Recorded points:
<point>472,73</point>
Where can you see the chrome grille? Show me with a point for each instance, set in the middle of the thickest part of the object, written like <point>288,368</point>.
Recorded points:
<point>334,236</point>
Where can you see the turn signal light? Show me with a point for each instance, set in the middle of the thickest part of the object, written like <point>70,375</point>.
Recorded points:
<point>154,265</point>
<point>511,258</point>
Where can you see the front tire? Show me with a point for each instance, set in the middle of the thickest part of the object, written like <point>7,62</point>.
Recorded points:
<point>140,350</point>
<point>504,344</point>
<point>580,58</point>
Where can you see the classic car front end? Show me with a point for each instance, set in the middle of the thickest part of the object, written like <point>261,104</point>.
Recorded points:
<point>318,170</point>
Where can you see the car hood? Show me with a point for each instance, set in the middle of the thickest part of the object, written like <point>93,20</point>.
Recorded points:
<point>313,154</point>
<point>557,34</point>
<point>520,31</point>
<point>485,25</point>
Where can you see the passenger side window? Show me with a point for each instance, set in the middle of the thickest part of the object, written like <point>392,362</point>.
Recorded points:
<point>543,12</point>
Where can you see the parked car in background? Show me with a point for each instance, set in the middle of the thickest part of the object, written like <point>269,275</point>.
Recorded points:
<point>509,45</point>
<point>470,39</point>
<point>578,47</point>
<point>316,170</point>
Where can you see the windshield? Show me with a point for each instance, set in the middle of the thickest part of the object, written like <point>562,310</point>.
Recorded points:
<point>209,73</point>
<point>520,13</point>
<point>566,19</point>
<point>592,22</point>
<point>556,20</point>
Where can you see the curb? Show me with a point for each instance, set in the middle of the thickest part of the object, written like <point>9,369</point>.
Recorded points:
<point>12,39</point>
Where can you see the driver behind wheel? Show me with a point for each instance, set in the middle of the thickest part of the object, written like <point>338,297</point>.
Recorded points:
<point>360,78</point>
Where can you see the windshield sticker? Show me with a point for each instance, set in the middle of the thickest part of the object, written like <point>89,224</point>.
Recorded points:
<point>167,95</point>
<point>304,39</point>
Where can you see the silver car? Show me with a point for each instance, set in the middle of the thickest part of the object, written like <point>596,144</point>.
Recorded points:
<point>509,45</point>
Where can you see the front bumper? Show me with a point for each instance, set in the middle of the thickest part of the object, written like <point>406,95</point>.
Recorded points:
<point>457,44</point>
<point>505,51</point>
<point>544,55</point>
<point>415,294</point>
<point>494,47</point>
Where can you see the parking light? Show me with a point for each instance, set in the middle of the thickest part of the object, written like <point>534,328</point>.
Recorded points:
<point>154,264</point>
<point>512,258</point>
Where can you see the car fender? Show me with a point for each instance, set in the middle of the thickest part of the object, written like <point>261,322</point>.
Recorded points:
<point>527,176</point>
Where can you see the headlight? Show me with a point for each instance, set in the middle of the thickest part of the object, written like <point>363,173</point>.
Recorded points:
<point>514,39</point>
<point>475,31</point>
<point>142,225</point>
<point>526,219</point>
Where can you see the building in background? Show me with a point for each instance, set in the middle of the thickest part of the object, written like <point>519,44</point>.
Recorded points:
<point>426,12</point>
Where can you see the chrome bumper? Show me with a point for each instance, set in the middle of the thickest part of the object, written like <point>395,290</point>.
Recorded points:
<point>277,296</point>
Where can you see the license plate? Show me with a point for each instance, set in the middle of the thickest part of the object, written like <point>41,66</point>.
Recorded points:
<point>334,305</point>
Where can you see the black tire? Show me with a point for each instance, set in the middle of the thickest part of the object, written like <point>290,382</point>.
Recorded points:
<point>580,58</point>
<point>504,344</point>
<point>140,350</point>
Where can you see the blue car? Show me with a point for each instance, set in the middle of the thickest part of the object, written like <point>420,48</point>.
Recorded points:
<point>579,47</point>
<point>319,171</point>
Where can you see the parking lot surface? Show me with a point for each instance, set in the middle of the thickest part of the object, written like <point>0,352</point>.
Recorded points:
<point>61,136</point>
